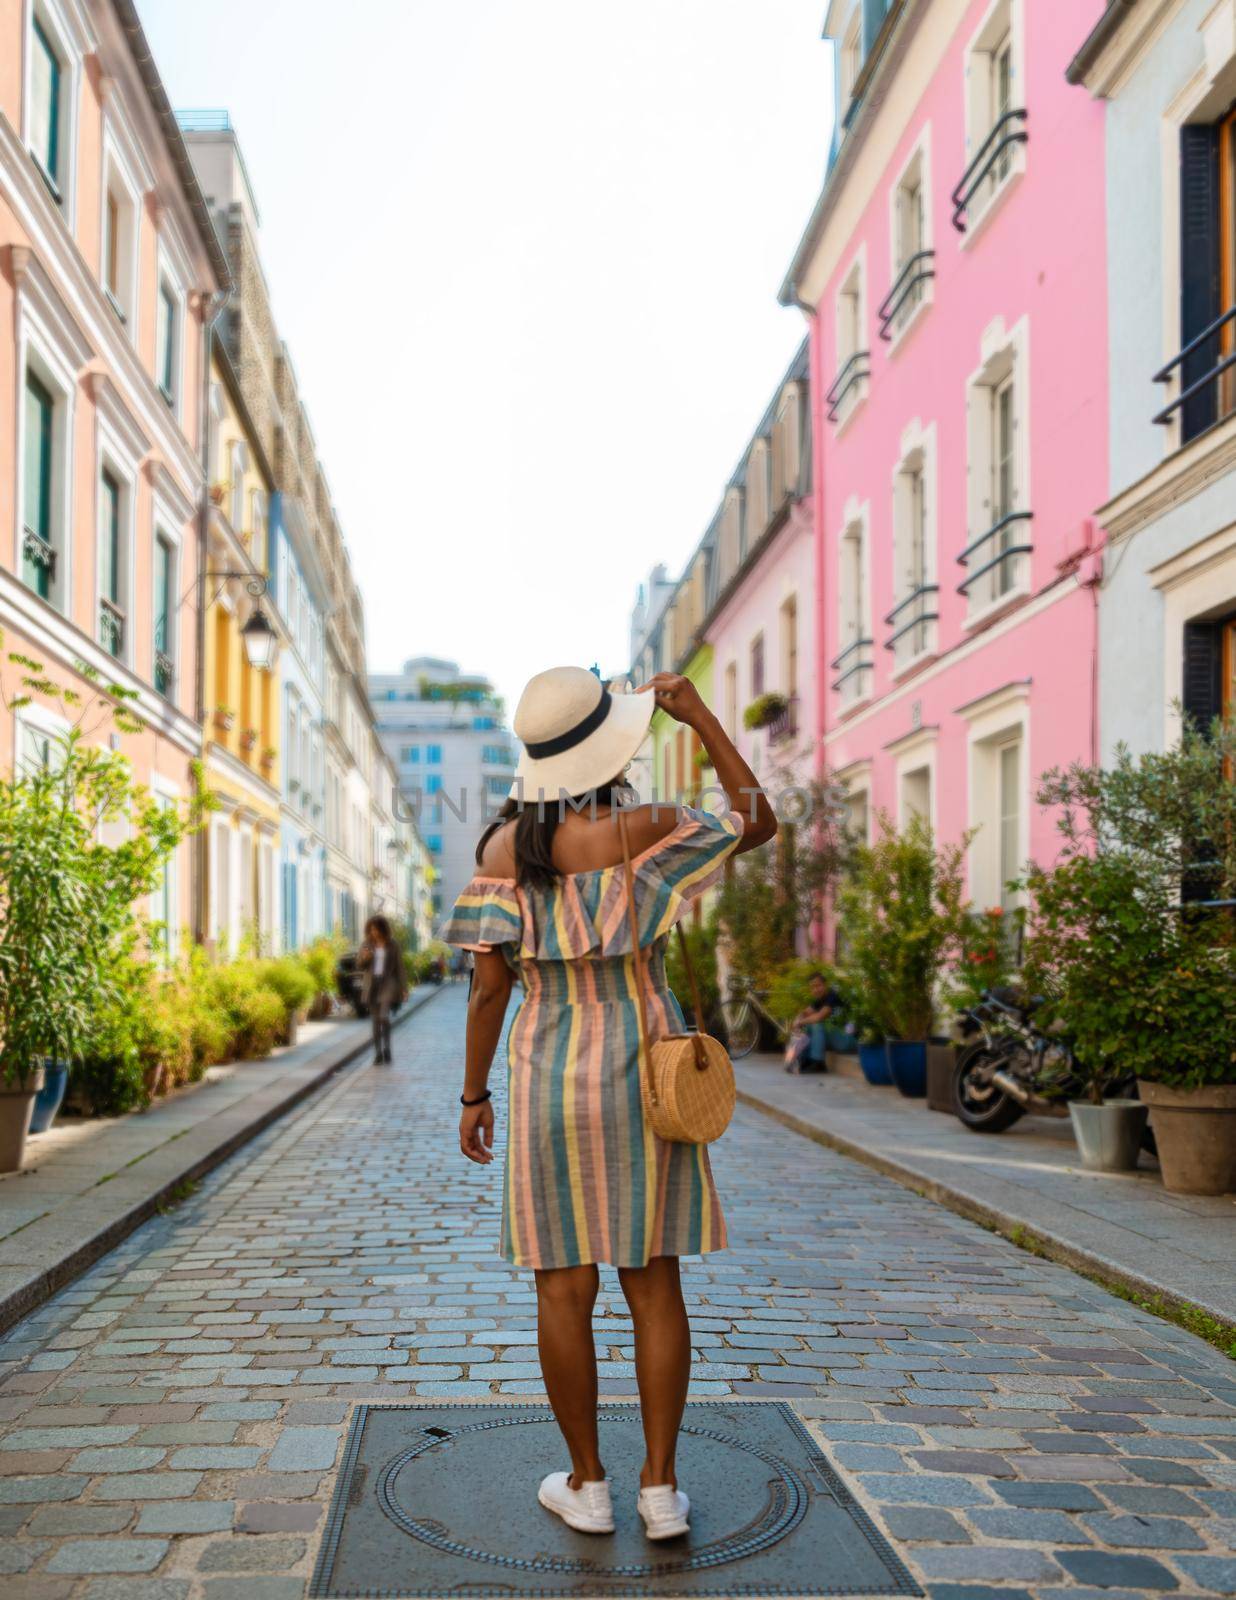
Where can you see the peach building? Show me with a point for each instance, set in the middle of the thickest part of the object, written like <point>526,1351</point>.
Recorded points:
<point>109,273</point>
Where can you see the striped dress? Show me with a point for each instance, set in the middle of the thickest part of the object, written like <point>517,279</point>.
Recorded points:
<point>586,1179</point>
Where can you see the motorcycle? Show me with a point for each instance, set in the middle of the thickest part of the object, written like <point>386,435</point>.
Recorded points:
<point>1008,1066</point>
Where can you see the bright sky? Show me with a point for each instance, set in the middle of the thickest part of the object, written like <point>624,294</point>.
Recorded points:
<point>526,256</point>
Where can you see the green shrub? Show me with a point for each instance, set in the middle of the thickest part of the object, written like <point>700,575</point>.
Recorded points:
<point>702,945</point>
<point>789,991</point>
<point>321,958</point>
<point>291,979</point>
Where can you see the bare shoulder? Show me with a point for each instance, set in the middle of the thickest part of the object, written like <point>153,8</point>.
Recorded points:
<point>498,857</point>
<point>650,824</point>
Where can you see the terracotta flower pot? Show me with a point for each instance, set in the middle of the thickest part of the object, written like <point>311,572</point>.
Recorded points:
<point>16,1106</point>
<point>1195,1131</point>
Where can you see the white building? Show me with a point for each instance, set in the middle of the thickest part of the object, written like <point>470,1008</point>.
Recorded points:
<point>445,732</point>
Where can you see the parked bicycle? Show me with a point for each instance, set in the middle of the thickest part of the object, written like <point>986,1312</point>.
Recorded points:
<point>742,1011</point>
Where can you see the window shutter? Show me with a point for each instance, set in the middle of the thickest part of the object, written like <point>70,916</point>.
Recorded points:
<point>1202,677</point>
<point>1199,267</point>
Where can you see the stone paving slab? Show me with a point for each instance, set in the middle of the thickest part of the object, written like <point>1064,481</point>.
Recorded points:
<point>1014,1430</point>
<point>1124,1227</point>
<point>88,1183</point>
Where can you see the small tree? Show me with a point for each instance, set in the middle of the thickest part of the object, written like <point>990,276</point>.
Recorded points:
<point>1130,938</point>
<point>67,900</point>
<point>901,909</point>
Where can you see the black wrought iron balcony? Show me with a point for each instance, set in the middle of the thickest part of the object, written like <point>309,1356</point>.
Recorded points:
<point>1206,396</point>
<point>906,294</point>
<point>853,661</point>
<point>1009,130</point>
<point>854,372</point>
<point>914,617</point>
<point>111,627</point>
<point>785,724</point>
<point>1006,553</point>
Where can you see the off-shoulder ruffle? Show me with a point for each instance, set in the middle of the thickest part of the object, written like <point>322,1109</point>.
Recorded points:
<point>585,914</point>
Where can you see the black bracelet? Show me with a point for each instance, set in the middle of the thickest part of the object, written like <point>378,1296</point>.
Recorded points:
<point>479,1101</point>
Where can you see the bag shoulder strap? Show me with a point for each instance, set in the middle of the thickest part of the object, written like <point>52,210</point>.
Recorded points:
<point>637,955</point>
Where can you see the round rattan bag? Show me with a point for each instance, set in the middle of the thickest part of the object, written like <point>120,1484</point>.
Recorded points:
<point>689,1092</point>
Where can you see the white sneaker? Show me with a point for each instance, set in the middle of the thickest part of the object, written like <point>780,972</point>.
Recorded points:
<point>587,1509</point>
<point>664,1511</point>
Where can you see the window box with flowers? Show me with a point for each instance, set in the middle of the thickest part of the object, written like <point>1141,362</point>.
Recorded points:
<point>764,710</point>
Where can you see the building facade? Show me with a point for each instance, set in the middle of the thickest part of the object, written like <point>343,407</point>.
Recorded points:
<point>328,872</point>
<point>953,275</point>
<point>109,274</point>
<point>740,623</point>
<point>1164,76</point>
<point>446,735</point>
<point>241,722</point>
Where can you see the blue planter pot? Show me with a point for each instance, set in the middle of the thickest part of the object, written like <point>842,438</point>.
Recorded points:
<point>47,1101</point>
<point>907,1062</point>
<point>874,1062</point>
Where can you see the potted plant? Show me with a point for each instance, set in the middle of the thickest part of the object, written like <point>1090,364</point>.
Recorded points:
<point>50,1096</point>
<point>1131,940</point>
<point>900,911</point>
<point>269,755</point>
<point>765,708</point>
<point>225,717</point>
<point>67,899</point>
<point>249,739</point>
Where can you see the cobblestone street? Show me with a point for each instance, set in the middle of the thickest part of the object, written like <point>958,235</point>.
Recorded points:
<point>170,1425</point>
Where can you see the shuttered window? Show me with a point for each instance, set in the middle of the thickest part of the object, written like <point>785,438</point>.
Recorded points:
<point>39,561</point>
<point>45,76</point>
<point>1207,272</point>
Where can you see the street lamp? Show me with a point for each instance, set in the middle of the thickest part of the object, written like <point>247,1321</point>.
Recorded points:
<point>259,639</point>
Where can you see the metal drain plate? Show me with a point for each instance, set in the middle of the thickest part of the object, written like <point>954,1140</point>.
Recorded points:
<point>440,1500</point>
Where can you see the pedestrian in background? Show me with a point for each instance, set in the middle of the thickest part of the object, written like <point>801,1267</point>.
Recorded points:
<point>587,1180</point>
<point>384,987</point>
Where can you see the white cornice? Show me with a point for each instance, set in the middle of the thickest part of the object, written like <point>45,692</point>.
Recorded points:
<point>111,406</point>
<point>1184,474</point>
<point>57,256</point>
<point>1120,58</point>
<point>233,771</point>
<point>63,643</point>
<point>1001,699</point>
<point>36,287</point>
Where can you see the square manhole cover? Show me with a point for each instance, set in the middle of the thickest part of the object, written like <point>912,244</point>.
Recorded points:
<point>438,1500</point>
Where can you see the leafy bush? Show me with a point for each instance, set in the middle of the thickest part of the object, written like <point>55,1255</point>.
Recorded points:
<point>790,989</point>
<point>291,979</point>
<point>321,958</point>
<point>1125,941</point>
<point>702,946</point>
<point>901,911</point>
<point>986,956</point>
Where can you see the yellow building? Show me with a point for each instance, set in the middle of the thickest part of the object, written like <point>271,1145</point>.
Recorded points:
<point>240,697</point>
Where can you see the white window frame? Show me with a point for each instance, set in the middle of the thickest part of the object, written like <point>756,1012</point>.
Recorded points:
<point>1004,353</point>
<point>916,165</point>
<point>854,616</point>
<point>237,463</point>
<point>125,172</point>
<point>918,459</point>
<point>994,722</point>
<point>164,523</point>
<point>851,336</point>
<point>172,279</point>
<point>849,60</point>
<point>1003,19</point>
<point>915,756</point>
<point>49,354</point>
<point>35,719</point>
<point>856,782</point>
<point>168,796</point>
<point>113,461</point>
<point>70,37</point>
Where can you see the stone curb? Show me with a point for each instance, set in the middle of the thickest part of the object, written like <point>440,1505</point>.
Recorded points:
<point>106,1218</point>
<point>1038,1240</point>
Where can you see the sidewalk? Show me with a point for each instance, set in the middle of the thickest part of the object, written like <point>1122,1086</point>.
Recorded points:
<point>89,1182</point>
<point>1027,1183</point>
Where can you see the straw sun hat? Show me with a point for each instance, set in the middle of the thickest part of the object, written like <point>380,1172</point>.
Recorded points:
<point>576,733</point>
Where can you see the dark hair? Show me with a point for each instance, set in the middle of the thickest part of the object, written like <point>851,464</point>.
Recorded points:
<point>381,926</point>
<point>537,825</point>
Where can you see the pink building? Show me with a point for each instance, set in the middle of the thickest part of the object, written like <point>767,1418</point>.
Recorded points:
<point>953,274</point>
<point>109,268</point>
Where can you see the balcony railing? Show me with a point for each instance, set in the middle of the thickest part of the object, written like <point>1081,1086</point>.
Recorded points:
<point>998,533</point>
<point>851,375</point>
<point>850,665</point>
<point>111,627</point>
<point>906,294</point>
<point>40,554</point>
<point>1201,405</point>
<point>1008,131</point>
<point>785,724</point>
<point>164,672</point>
<point>914,619</point>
